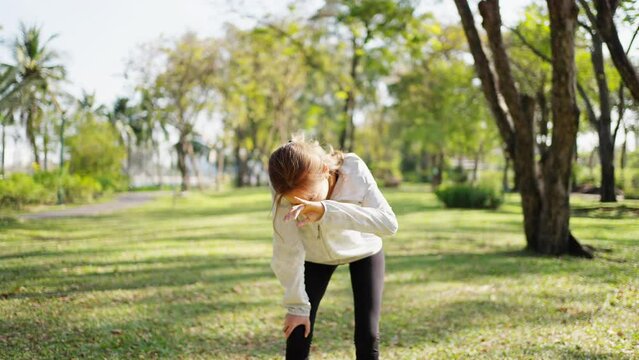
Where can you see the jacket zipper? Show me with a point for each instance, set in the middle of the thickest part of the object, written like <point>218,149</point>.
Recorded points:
<point>319,238</point>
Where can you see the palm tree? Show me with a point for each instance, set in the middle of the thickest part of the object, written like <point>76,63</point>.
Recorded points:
<point>36,72</point>
<point>122,117</point>
<point>8,98</point>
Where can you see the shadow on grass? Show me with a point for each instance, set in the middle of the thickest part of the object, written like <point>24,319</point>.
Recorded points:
<point>466,267</point>
<point>606,212</point>
<point>166,328</point>
<point>164,271</point>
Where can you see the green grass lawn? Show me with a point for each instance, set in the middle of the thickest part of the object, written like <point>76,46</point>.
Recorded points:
<point>190,278</point>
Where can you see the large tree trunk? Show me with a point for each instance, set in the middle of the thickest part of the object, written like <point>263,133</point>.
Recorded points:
<point>45,147</point>
<point>606,157</point>
<point>486,76</point>
<point>241,162</point>
<point>606,27</point>
<point>554,233</point>
<point>602,122</point>
<point>182,152</point>
<point>606,141</point>
<point>546,208</point>
<point>347,136</point>
<point>522,110</point>
<point>542,146</point>
<point>31,134</point>
<point>438,168</point>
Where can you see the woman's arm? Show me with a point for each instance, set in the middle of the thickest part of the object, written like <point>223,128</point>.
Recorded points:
<point>373,216</point>
<point>288,265</point>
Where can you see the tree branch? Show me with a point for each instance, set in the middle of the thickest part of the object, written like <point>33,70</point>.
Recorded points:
<point>486,76</point>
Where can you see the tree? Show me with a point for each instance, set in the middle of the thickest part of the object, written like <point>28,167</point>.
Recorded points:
<point>260,86</point>
<point>608,30</point>
<point>37,72</point>
<point>544,192</point>
<point>183,89</point>
<point>8,101</point>
<point>363,22</point>
<point>439,111</point>
<point>600,74</point>
<point>602,122</point>
<point>95,151</point>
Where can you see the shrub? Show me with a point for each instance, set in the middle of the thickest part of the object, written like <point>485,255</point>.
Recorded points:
<point>469,196</point>
<point>491,178</point>
<point>21,189</point>
<point>630,181</point>
<point>458,175</point>
<point>79,188</point>
<point>96,151</point>
<point>387,172</point>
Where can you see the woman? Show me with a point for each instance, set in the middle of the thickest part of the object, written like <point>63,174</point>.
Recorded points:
<point>328,211</point>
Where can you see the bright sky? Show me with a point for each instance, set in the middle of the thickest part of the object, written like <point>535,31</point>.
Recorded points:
<point>96,37</point>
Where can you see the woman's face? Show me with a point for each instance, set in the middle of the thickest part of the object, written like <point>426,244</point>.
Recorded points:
<point>315,191</point>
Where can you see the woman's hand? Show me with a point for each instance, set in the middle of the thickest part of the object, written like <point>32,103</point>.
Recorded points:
<point>305,212</point>
<point>293,321</point>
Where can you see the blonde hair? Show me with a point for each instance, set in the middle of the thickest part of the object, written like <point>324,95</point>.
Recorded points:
<point>300,162</point>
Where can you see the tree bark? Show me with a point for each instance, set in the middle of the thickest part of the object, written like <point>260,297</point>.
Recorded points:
<point>486,76</point>
<point>554,233</point>
<point>543,120</point>
<point>546,208</point>
<point>438,166</point>
<point>241,166</point>
<point>347,136</point>
<point>602,122</point>
<point>31,135</point>
<point>522,110</point>
<point>45,147</point>
<point>182,151</point>
<point>606,27</point>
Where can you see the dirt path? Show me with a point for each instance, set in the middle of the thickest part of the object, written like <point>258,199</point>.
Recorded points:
<point>121,202</point>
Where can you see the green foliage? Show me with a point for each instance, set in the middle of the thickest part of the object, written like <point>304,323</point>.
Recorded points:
<point>585,176</point>
<point>75,188</point>
<point>96,152</point>
<point>19,190</point>
<point>438,105</point>
<point>491,179</point>
<point>457,175</point>
<point>469,196</point>
<point>78,188</point>
<point>629,182</point>
<point>387,172</point>
<point>42,187</point>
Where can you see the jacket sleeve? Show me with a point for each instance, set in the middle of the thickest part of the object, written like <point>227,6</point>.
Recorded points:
<point>374,215</point>
<point>288,265</point>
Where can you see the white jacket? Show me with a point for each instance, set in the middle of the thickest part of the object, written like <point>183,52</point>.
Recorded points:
<point>355,218</point>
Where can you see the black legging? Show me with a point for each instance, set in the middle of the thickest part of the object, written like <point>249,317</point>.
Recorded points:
<point>367,280</point>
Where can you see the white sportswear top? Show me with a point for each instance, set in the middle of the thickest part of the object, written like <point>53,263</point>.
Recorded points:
<point>355,218</point>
